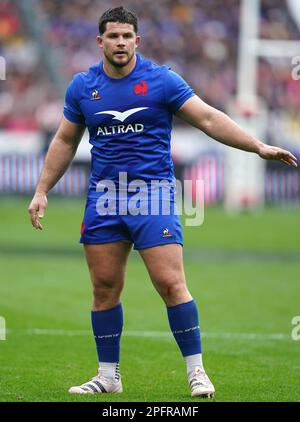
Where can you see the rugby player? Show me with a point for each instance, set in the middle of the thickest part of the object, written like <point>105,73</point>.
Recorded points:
<point>127,103</point>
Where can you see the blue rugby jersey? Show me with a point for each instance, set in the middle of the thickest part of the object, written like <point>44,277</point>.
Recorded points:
<point>129,119</point>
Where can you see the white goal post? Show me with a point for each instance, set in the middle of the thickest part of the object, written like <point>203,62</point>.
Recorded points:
<point>244,175</point>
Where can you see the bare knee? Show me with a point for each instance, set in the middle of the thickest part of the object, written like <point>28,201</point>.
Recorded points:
<point>173,289</point>
<point>106,292</point>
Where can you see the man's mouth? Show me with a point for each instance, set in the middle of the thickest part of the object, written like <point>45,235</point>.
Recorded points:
<point>120,53</point>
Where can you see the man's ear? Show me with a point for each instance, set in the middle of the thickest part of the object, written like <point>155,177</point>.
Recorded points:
<point>99,41</point>
<point>138,41</point>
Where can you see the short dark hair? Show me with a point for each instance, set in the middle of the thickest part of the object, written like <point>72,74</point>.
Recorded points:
<point>118,14</point>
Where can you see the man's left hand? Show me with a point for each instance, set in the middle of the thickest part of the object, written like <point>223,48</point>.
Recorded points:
<point>269,152</point>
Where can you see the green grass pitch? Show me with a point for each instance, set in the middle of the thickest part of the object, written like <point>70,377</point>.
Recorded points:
<point>243,271</point>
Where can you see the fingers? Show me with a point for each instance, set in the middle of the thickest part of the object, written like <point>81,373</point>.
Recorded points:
<point>285,162</point>
<point>293,157</point>
<point>34,218</point>
<point>294,163</point>
<point>36,209</point>
<point>289,162</point>
<point>289,159</point>
<point>39,225</point>
<point>285,158</point>
<point>36,212</point>
<point>41,212</point>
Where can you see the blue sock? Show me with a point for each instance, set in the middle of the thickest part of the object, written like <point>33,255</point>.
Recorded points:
<point>184,323</point>
<point>107,326</point>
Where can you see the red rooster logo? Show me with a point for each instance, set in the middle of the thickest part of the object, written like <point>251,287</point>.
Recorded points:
<point>141,88</point>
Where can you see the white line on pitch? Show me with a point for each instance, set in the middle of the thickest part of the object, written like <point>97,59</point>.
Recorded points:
<point>149,334</point>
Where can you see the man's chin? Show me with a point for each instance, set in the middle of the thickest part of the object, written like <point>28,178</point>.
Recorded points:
<point>120,62</point>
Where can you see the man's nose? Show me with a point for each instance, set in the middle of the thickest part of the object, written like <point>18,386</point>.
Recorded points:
<point>121,41</point>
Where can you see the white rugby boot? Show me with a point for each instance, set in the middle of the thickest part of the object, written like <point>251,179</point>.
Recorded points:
<point>200,384</point>
<point>99,384</point>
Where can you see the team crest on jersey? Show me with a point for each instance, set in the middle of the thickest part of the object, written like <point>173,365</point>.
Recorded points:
<point>95,95</point>
<point>141,88</point>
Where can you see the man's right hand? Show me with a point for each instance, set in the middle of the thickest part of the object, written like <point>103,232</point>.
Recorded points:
<point>37,208</point>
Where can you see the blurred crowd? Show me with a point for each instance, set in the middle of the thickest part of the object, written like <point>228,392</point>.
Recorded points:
<point>26,86</point>
<point>197,38</point>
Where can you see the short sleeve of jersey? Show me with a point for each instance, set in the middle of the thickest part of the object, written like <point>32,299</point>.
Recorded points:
<point>177,91</point>
<point>72,109</point>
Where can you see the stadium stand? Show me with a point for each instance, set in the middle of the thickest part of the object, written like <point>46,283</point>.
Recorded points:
<point>197,39</point>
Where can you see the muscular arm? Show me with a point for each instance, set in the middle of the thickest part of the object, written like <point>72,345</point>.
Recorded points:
<point>220,127</point>
<point>60,154</point>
